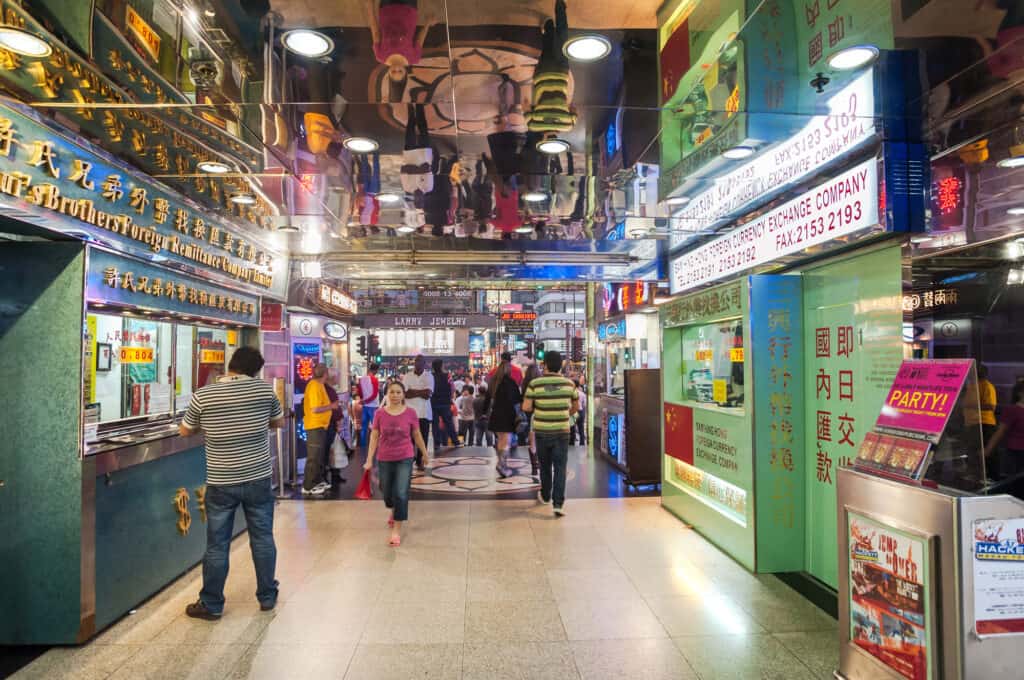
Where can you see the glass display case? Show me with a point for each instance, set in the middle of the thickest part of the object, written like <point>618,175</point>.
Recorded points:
<point>712,363</point>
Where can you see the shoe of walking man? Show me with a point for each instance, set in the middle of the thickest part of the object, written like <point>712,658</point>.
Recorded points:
<point>235,414</point>
<point>553,400</point>
<point>316,419</point>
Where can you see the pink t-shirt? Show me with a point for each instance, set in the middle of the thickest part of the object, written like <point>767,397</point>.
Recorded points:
<point>506,211</point>
<point>395,434</point>
<point>398,33</point>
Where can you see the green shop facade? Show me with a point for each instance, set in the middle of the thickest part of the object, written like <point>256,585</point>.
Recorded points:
<point>785,330</point>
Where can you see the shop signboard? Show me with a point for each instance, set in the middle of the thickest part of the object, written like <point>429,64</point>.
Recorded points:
<point>383,300</point>
<point>116,279</point>
<point>448,300</point>
<point>610,331</point>
<point>136,355</point>
<point>335,331</point>
<point>271,316</point>
<point>476,343</point>
<point>843,206</point>
<point>890,596</point>
<point>998,564</point>
<point>518,323</point>
<point>427,321</point>
<point>923,395</point>
<point>335,300</point>
<point>143,32</point>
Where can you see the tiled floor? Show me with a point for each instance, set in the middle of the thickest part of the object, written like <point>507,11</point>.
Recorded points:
<point>479,590</point>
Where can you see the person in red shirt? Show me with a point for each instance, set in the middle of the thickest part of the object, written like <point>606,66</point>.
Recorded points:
<point>369,395</point>
<point>396,41</point>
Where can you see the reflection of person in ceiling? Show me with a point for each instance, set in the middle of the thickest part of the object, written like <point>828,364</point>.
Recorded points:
<point>504,163</point>
<point>1006,58</point>
<point>396,41</point>
<point>438,201</point>
<point>418,156</point>
<point>551,112</point>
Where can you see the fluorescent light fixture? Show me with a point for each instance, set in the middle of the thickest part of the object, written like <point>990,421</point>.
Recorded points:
<point>214,167</point>
<point>853,57</point>
<point>525,229</point>
<point>553,146</point>
<point>1015,277</point>
<point>24,43</point>
<point>590,47</point>
<point>243,198</point>
<point>311,270</point>
<point>209,12</point>
<point>288,227</point>
<point>535,196</point>
<point>405,229</point>
<point>738,153</point>
<point>651,311</point>
<point>1015,211</point>
<point>677,200</point>
<point>308,43</point>
<point>389,198</point>
<point>1014,162</point>
<point>361,144</point>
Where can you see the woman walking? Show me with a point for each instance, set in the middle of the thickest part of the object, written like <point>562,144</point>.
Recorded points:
<point>396,428</point>
<point>504,396</point>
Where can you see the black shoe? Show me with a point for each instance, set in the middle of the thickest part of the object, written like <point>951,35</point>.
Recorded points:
<point>198,610</point>
<point>267,606</point>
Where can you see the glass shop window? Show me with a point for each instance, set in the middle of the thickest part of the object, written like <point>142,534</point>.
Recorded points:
<point>132,361</point>
<point>712,361</point>
<point>213,349</point>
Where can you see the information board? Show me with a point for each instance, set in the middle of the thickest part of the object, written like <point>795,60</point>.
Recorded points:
<point>923,395</point>
<point>998,563</point>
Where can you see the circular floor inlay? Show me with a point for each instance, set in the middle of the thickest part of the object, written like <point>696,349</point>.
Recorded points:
<point>476,474</point>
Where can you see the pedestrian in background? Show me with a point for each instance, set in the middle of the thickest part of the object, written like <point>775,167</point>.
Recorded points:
<point>369,395</point>
<point>503,401</point>
<point>419,386</point>
<point>441,401</point>
<point>464,404</point>
<point>552,399</point>
<point>317,408</point>
<point>482,435</point>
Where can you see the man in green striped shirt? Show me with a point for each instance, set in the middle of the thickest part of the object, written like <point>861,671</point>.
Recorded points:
<point>552,399</point>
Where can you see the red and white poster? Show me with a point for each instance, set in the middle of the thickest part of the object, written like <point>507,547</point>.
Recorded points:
<point>889,587</point>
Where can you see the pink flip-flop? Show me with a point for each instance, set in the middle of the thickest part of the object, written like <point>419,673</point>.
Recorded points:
<point>395,542</point>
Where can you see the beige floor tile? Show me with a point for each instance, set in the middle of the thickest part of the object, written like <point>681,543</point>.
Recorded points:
<point>525,621</point>
<point>180,662</point>
<point>497,559</point>
<point>787,612</point>
<point>276,661</point>
<point>518,661</point>
<point>508,585</point>
<point>742,657</point>
<point>296,623</point>
<point>591,584</point>
<point>425,585</point>
<point>578,557</point>
<point>89,662</point>
<point>818,651</point>
<point>609,619</point>
<point>427,623</point>
<point>402,662</point>
<point>702,616</point>
<point>240,625</point>
<point>146,624</point>
<point>649,659</point>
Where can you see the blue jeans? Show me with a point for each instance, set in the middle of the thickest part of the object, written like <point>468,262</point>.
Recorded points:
<point>257,501</point>
<point>395,481</point>
<point>553,455</point>
<point>443,419</point>
<point>364,432</point>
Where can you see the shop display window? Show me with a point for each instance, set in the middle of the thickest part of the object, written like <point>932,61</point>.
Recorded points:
<point>712,364</point>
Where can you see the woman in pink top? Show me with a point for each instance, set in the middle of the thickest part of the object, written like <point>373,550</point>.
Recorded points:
<point>396,427</point>
<point>396,41</point>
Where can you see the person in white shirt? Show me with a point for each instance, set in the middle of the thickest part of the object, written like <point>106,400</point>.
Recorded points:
<point>419,385</point>
<point>580,427</point>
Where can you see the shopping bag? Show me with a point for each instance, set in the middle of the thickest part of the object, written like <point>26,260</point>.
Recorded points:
<point>339,454</point>
<point>364,492</point>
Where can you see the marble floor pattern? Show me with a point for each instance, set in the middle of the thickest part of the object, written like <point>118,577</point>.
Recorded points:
<point>479,590</point>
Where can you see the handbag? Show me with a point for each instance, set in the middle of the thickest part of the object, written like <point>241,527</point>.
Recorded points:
<point>364,492</point>
<point>339,454</point>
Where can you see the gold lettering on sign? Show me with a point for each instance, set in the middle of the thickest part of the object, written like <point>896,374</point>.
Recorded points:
<point>84,112</point>
<point>137,199</point>
<point>9,61</point>
<point>44,155</point>
<point>180,502</point>
<point>160,158</point>
<point>80,174</point>
<point>111,187</point>
<point>161,210</point>
<point>138,141</point>
<point>113,126</point>
<point>48,83</point>
<point>7,133</point>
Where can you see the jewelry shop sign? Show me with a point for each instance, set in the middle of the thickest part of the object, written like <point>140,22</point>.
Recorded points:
<point>840,207</point>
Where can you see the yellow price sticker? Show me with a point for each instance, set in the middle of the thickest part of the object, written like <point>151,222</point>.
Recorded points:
<point>720,391</point>
<point>136,355</point>
<point>736,355</point>
<point>703,355</point>
<point>211,356</point>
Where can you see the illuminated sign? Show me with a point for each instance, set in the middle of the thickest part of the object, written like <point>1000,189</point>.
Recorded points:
<point>612,330</point>
<point>848,123</point>
<point>621,297</point>
<point>519,316</point>
<point>211,356</point>
<point>335,331</point>
<point>136,355</point>
<point>703,355</point>
<point>930,299</point>
<point>837,208</point>
<point>337,299</point>
<point>736,355</point>
<point>142,31</point>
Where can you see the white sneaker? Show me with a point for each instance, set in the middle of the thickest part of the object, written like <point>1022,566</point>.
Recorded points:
<point>318,490</point>
<point>559,511</point>
<point>323,486</point>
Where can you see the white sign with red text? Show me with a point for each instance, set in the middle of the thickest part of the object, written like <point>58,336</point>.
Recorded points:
<point>849,122</point>
<point>839,207</point>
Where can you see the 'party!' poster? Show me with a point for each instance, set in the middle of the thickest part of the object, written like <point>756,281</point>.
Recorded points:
<point>889,588</point>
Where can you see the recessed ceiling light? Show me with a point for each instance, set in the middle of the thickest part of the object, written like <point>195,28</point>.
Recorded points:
<point>1015,162</point>
<point>214,167</point>
<point>361,144</point>
<point>24,43</point>
<point>853,57</point>
<point>308,43</point>
<point>553,146</point>
<point>738,153</point>
<point>389,198</point>
<point>311,270</point>
<point>243,198</point>
<point>525,229</point>
<point>590,47</point>
<point>677,200</point>
<point>535,196</point>
<point>209,12</point>
<point>405,229</point>
<point>1015,211</point>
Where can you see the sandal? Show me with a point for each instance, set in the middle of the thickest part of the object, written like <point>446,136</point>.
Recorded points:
<point>391,520</point>
<point>395,541</point>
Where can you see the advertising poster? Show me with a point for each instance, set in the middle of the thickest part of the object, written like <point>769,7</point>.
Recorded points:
<point>889,608</point>
<point>999,577</point>
<point>923,395</point>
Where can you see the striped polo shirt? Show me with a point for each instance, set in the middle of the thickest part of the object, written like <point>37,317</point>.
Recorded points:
<point>234,414</point>
<point>552,397</point>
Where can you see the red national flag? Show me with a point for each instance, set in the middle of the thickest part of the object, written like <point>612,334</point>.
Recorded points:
<point>679,432</point>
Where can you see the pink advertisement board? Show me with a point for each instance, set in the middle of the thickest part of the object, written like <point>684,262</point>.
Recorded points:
<point>923,395</point>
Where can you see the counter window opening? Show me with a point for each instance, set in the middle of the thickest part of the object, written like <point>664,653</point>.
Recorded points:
<point>141,370</point>
<point>712,364</point>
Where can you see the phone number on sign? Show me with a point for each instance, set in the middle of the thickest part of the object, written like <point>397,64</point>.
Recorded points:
<point>818,226</point>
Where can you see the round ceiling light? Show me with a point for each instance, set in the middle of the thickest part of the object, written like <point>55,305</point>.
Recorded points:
<point>389,198</point>
<point>243,198</point>
<point>553,146</point>
<point>24,43</point>
<point>1014,162</point>
<point>677,200</point>
<point>308,43</point>
<point>737,153</point>
<point>214,167</point>
<point>535,196</point>
<point>1015,211</point>
<point>853,57</point>
<point>361,144</point>
<point>590,47</point>
<point>405,229</point>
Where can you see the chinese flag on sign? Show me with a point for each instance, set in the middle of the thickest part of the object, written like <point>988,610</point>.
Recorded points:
<point>679,432</point>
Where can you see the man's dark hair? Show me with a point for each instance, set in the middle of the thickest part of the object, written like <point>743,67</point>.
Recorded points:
<point>506,356</point>
<point>438,365</point>
<point>247,361</point>
<point>553,361</point>
<point>374,368</point>
<point>468,389</point>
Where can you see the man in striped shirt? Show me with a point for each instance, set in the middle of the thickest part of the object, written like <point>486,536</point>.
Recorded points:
<point>552,399</point>
<point>234,414</point>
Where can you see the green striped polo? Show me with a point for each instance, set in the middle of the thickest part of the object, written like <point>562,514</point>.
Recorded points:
<point>552,397</point>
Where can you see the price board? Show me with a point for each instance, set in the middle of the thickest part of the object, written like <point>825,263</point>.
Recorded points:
<point>703,355</point>
<point>211,356</point>
<point>736,355</point>
<point>136,355</point>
